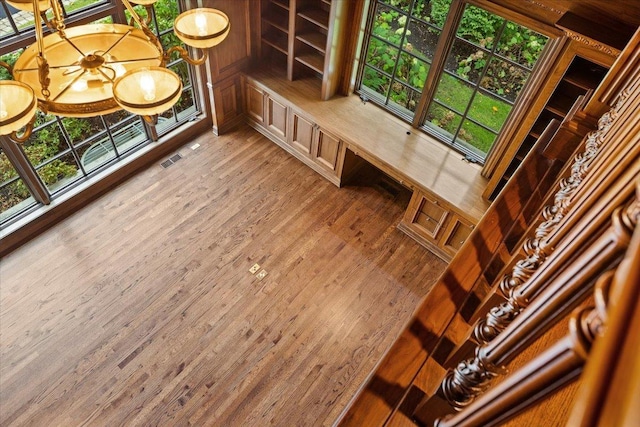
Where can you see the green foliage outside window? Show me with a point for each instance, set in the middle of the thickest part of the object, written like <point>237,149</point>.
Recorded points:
<point>48,141</point>
<point>478,27</point>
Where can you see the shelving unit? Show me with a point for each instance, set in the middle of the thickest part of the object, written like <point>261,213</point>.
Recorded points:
<point>311,29</point>
<point>275,30</point>
<point>298,36</point>
<point>580,77</point>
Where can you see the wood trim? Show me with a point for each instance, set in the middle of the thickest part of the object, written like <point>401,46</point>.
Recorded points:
<point>609,385</point>
<point>516,17</point>
<point>502,151</point>
<point>438,61</point>
<point>612,84</point>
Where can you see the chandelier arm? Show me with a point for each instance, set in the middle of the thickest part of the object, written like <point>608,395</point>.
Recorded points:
<point>55,67</point>
<point>117,42</point>
<point>26,133</point>
<point>134,14</point>
<point>38,26</point>
<point>127,61</point>
<point>152,120</point>
<point>58,17</point>
<point>43,75</point>
<point>7,67</point>
<point>63,36</point>
<point>111,79</point>
<point>185,55</point>
<point>150,12</point>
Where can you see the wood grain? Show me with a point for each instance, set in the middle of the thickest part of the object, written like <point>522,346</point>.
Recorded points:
<point>140,310</point>
<point>409,156</point>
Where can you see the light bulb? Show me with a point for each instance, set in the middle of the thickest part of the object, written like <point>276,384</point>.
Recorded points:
<point>201,23</point>
<point>148,87</point>
<point>79,85</point>
<point>3,110</point>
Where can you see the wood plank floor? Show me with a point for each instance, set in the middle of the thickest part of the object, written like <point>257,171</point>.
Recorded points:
<point>140,308</point>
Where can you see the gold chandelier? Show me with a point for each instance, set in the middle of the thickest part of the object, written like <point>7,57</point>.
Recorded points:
<point>95,69</point>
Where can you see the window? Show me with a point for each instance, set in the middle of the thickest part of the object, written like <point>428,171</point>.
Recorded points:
<point>15,197</point>
<point>63,152</point>
<point>487,62</point>
<point>402,42</point>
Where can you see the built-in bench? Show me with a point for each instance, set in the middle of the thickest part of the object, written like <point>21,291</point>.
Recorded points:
<point>333,136</point>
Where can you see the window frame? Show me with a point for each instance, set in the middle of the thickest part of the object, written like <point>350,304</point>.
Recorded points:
<point>437,68</point>
<point>42,193</point>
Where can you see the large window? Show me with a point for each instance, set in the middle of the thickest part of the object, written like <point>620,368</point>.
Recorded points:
<point>463,95</point>
<point>64,152</point>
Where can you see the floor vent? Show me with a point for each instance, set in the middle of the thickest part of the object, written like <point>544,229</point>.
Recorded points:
<point>171,160</point>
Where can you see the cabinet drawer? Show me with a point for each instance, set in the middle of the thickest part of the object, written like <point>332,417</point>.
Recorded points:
<point>457,232</point>
<point>430,216</point>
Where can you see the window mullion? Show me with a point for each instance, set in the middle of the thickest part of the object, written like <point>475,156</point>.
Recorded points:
<point>445,42</point>
<point>400,50</point>
<point>367,41</point>
<point>25,170</point>
<point>477,85</point>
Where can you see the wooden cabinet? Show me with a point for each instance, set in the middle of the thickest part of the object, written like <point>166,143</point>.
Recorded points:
<point>267,112</point>
<point>227,104</point>
<point>276,117</point>
<point>327,150</point>
<point>456,233</point>
<point>302,131</point>
<point>305,37</point>
<point>435,225</point>
<point>320,149</point>
<point>292,130</point>
<point>254,98</point>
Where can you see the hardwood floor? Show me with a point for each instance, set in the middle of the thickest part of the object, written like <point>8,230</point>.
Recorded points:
<point>140,308</point>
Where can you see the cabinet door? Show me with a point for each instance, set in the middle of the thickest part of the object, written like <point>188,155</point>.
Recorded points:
<point>276,120</point>
<point>326,150</point>
<point>255,103</point>
<point>429,216</point>
<point>301,134</point>
<point>455,235</point>
<point>227,103</point>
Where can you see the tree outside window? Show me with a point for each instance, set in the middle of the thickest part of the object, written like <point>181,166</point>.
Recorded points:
<point>484,71</point>
<point>64,151</point>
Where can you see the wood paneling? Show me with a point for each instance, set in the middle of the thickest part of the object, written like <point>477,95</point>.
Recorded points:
<point>276,120</point>
<point>227,104</point>
<point>301,134</point>
<point>140,309</point>
<point>234,53</point>
<point>327,150</point>
<point>410,157</point>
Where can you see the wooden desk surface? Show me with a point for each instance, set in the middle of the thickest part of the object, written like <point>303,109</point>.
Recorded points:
<point>407,154</point>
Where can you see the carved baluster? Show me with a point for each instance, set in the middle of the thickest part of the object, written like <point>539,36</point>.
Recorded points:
<point>464,383</point>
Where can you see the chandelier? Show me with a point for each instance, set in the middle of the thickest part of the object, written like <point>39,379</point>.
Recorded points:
<point>93,69</point>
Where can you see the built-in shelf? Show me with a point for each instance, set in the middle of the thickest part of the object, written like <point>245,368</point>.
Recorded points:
<point>282,3</point>
<point>307,29</point>
<point>320,17</point>
<point>277,18</point>
<point>580,77</point>
<point>313,61</point>
<point>318,41</point>
<point>276,39</point>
